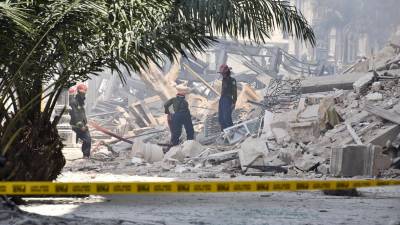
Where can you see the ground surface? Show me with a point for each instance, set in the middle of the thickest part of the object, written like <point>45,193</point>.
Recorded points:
<point>375,206</point>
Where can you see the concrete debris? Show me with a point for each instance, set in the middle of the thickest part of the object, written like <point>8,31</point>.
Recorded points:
<point>304,131</point>
<point>268,118</point>
<point>395,163</point>
<point>147,151</point>
<point>337,125</point>
<point>308,162</point>
<point>353,134</point>
<point>358,160</point>
<point>175,154</point>
<point>394,66</point>
<point>328,116</point>
<point>383,135</point>
<point>310,113</point>
<point>192,148</point>
<point>374,97</point>
<point>393,117</point>
<point>188,149</point>
<point>376,86</point>
<point>281,135</point>
<point>181,169</point>
<point>223,156</point>
<point>323,168</point>
<point>136,161</point>
<point>362,84</point>
<point>252,153</point>
<point>316,84</point>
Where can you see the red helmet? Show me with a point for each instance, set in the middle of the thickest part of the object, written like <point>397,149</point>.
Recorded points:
<point>82,88</point>
<point>72,90</point>
<point>224,69</point>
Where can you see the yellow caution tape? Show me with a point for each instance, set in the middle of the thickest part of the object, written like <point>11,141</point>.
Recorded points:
<point>104,188</point>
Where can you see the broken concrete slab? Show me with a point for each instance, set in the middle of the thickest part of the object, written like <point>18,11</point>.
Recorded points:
<point>286,117</point>
<point>281,135</point>
<point>376,86</point>
<point>329,83</point>
<point>328,116</point>
<point>304,131</point>
<point>396,109</point>
<point>349,161</point>
<point>136,161</point>
<point>192,148</point>
<point>358,117</point>
<point>288,156</point>
<point>280,124</point>
<point>361,85</point>
<point>380,162</point>
<point>358,160</point>
<point>385,114</point>
<point>394,66</point>
<point>221,157</point>
<point>383,136</point>
<point>308,162</point>
<point>252,152</point>
<point>175,154</point>
<point>147,151</point>
<point>374,96</point>
<point>310,113</point>
<point>323,168</point>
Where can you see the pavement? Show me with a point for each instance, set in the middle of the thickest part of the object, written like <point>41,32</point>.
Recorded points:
<point>375,206</point>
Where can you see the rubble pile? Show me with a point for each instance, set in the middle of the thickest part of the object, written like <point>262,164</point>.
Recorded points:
<point>346,127</point>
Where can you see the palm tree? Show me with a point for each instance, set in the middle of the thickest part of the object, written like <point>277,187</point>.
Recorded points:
<point>66,41</point>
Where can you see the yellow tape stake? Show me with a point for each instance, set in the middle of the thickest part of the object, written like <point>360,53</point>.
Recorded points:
<point>106,188</point>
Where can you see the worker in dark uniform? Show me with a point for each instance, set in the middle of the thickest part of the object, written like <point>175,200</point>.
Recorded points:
<point>180,117</point>
<point>228,98</point>
<point>78,119</point>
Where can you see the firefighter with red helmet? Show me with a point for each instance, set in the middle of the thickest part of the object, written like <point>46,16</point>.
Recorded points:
<point>78,118</point>
<point>180,117</point>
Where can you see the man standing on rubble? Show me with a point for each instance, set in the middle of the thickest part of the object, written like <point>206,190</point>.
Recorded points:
<point>180,117</point>
<point>228,98</point>
<point>78,118</point>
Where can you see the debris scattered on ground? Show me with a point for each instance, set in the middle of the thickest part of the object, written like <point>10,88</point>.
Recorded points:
<point>278,130</point>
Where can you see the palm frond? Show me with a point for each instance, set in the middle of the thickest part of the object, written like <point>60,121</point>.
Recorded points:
<point>12,13</point>
<point>253,19</point>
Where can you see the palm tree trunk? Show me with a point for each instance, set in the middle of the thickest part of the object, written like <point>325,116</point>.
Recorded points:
<point>35,156</point>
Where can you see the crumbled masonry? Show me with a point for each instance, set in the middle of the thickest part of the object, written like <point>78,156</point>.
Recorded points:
<point>284,128</point>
